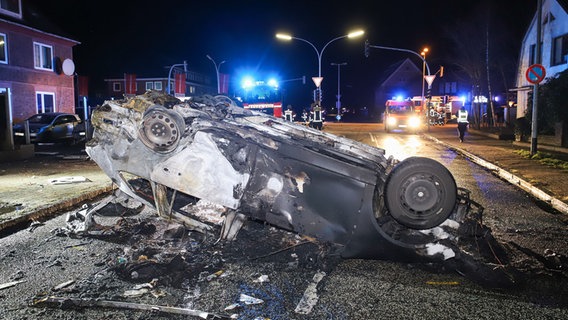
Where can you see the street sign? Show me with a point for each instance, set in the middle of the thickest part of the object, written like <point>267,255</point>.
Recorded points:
<point>317,81</point>
<point>430,79</point>
<point>535,73</point>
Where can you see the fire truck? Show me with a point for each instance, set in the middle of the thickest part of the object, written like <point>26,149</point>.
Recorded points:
<point>403,115</point>
<point>262,96</point>
<point>441,107</point>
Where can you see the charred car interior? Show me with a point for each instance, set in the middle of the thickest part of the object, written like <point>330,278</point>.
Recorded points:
<point>170,154</point>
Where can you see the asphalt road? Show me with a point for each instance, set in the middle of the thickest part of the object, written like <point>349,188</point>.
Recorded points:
<point>294,267</point>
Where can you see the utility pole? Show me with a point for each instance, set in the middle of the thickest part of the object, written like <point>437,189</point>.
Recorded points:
<point>338,103</point>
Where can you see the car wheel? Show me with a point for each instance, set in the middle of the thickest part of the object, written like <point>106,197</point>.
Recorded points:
<point>161,129</point>
<point>420,193</point>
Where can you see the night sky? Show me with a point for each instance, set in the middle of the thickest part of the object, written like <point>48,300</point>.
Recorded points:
<point>144,37</point>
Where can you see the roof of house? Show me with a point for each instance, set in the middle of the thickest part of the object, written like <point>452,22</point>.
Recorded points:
<point>33,18</point>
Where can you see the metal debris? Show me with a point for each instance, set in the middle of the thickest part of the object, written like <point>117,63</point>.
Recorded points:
<point>310,297</point>
<point>10,284</point>
<point>86,303</point>
<point>68,180</point>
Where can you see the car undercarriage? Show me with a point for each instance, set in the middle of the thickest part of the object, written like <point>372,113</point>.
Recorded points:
<point>170,154</point>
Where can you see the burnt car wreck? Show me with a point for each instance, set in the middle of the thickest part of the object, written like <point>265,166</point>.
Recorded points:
<point>169,154</point>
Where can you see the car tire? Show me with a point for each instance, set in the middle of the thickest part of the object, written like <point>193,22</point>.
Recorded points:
<point>161,129</point>
<point>420,193</point>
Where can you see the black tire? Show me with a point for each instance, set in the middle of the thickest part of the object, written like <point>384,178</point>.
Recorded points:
<point>420,193</point>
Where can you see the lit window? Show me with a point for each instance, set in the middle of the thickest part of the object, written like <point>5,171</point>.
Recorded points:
<point>3,49</point>
<point>158,85</point>
<point>45,102</point>
<point>11,7</point>
<point>43,56</point>
<point>149,85</point>
<point>116,87</point>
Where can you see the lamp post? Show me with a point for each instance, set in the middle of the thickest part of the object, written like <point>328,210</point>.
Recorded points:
<point>319,53</point>
<point>423,54</point>
<point>217,66</point>
<point>338,104</point>
<point>184,64</point>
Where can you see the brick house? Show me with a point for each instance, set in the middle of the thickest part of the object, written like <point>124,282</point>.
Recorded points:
<point>195,84</point>
<point>34,60</point>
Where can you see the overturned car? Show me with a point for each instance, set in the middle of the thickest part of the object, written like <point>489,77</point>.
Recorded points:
<point>169,154</point>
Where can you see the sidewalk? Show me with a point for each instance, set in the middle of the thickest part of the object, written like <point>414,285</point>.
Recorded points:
<point>544,182</point>
<point>38,187</point>
<point>35,188</point>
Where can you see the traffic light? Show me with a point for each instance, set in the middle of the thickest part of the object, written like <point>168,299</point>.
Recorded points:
<point>367,48</point>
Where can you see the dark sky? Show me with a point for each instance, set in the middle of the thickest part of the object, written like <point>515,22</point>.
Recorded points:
<point>143,37</point>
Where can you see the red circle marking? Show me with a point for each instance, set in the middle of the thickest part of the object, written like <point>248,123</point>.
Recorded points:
<point>535,73</point>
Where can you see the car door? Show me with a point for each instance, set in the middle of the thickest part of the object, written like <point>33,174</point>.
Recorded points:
<point>63,127</point>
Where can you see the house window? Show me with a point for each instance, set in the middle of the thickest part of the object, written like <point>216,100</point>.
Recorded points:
<point>158,85</point>
<point>116,87</point>
<point>559,50</point>
<point>11,7</point>
<point>43,56</point>
<point>45,102</point>
<point>3,49</point>
<point>149,85</point>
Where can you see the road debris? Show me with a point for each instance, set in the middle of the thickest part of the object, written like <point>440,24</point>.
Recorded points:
<point>62,302</point>
<point>310,297</point>
<point>10,284</point>
<point>68,180</point>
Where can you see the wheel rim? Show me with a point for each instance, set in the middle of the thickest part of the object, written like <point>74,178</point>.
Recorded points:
<point>160,130</point>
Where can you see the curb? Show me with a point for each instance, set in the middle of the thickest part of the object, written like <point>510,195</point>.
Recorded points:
<point>509,177</point>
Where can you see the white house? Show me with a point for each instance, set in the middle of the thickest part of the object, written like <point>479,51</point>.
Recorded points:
<point>554,48</point>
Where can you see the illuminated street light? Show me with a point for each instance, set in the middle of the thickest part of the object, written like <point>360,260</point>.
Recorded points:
<point>423,54</point>
<point>217,66</point>
<point>338,104</point>
<point>184,64</point>
<point>319,54</point>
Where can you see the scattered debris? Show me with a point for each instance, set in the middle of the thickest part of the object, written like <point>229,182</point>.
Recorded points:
<point>248,300</point>
<point>85,303</point>
<point>310,297</point>
<point>63,285</point>
<point>68,180</point>
<point>10,284</point>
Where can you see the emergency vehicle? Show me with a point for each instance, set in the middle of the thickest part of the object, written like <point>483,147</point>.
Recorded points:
<point>262,96</point>
<point>444,106</point>
<point>403,115</point>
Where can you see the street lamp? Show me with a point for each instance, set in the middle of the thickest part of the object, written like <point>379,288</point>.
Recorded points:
<point>423,54</point>
<point>338,104</point>
<point>319,54</point>
<point>184,64</point>
<point>217,66</point>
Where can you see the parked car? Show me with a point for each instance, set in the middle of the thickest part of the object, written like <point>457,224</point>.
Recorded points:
<point>51,127</point>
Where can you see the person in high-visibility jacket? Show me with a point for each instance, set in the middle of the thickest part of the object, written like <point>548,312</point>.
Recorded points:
<point>462,122</point>
<point>316,117</point>
<point>289,114</point>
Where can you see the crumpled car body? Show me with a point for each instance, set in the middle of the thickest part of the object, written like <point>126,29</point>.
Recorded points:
<point>169,154</point>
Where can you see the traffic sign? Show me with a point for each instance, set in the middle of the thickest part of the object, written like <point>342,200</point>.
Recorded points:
<point>535,73</point>
<point>317,81</point>
<point>429,79</point>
